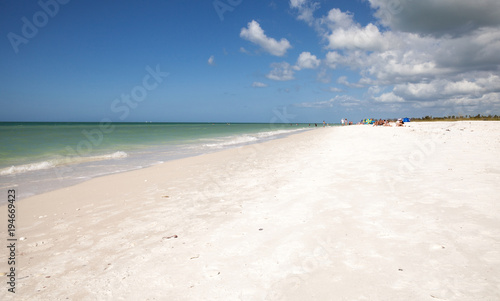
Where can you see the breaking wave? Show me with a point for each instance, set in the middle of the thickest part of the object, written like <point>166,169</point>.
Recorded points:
<point>247,138</point>
<point>59,161</point>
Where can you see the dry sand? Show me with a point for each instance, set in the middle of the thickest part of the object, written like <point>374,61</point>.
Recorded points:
<point>343,213</point>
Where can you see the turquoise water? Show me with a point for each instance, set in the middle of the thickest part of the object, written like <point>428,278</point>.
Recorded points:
<point>23,143</point>
<point>37,157</point>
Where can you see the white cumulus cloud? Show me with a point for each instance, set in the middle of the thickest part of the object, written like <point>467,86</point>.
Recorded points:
<point>305,8</point>
<point>281,72</point>
<point>255,34</point>
<point>307,61</point>
<point>366,38</point>
<point>342,32</point>
<point>389,97</point>
<point>211,60</point>
<point>343,81</point>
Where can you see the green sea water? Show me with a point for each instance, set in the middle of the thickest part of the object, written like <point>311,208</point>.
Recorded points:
<point>22,143</point>
<point>32,154</point>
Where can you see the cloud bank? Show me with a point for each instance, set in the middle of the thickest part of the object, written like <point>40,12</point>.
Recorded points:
<point>432,53</point>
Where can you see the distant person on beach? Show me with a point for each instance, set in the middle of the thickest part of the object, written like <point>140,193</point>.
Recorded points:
<point>342,121</point>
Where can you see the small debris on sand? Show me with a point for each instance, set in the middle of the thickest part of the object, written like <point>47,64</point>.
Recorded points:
<point>168,237</point>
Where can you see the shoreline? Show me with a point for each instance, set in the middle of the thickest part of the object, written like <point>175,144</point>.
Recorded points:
<point>60,171</point>
<point>354,212</point>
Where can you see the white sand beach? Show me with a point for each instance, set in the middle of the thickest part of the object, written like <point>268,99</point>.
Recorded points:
<point>337,213</point>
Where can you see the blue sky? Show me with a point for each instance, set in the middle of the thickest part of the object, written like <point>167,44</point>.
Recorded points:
<point>247,61</point>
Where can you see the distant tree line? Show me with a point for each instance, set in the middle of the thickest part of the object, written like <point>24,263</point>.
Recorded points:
<point>457,118</point>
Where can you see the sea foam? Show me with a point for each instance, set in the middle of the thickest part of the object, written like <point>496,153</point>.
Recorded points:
<point>247,138</point>
<point>26,167</point>
<point>17,169</point>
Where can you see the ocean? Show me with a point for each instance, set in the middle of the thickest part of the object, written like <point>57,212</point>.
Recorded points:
<point>39,157</point>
